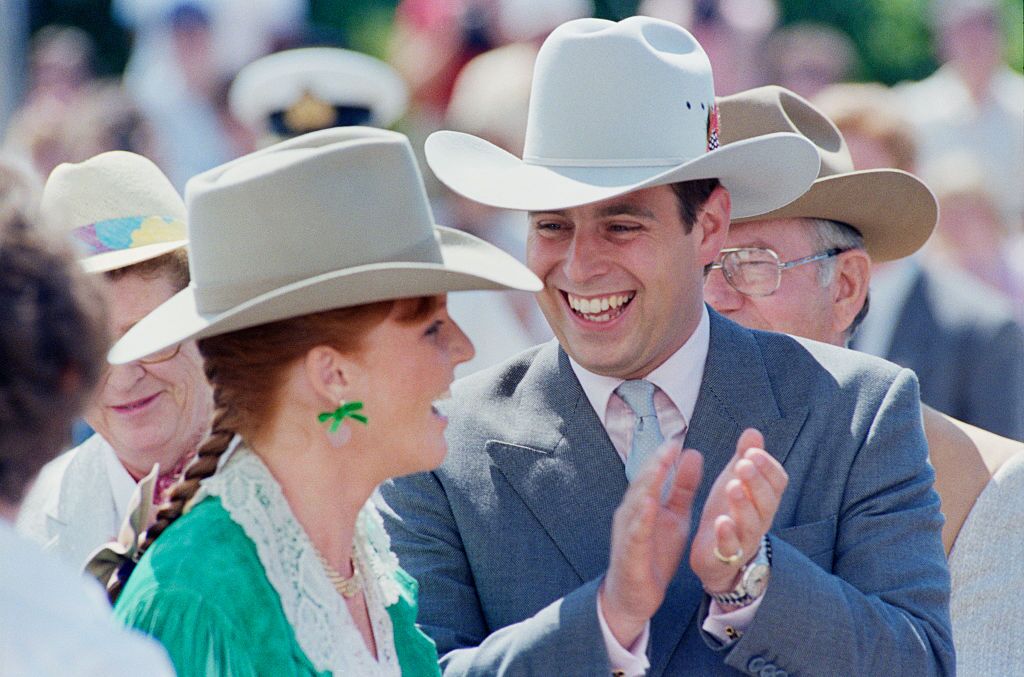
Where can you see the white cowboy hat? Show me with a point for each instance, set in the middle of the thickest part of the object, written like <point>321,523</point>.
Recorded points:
<point>616,107</point>
<point>893,210</point>
<point>302,90</point>
<point>327,220</point>
<point>118,208</point>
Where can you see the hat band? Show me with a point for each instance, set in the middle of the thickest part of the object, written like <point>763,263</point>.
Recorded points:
<point>614,162</point>
<point>128,232</point>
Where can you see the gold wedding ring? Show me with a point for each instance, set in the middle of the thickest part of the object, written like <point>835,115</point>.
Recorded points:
<point>731,560</point>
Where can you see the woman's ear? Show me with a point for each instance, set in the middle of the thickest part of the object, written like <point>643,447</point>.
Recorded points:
<point>329,372</point>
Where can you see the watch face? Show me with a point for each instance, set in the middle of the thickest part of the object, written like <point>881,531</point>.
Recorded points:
<point>755,579</point>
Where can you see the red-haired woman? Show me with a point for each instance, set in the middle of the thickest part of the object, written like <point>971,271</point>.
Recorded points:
<point>318,301</point>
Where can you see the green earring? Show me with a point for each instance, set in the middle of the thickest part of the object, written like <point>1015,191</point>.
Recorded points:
<point>344,410</point>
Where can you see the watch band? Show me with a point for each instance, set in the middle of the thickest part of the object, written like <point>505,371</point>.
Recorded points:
<point>740,596</point>
<point>732,598</point>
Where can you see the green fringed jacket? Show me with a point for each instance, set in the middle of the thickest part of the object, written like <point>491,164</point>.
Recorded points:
<point>234,587</point>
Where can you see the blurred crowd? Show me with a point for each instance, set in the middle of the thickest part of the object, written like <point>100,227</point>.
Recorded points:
<point>467,64</point>
<point>211,81</point>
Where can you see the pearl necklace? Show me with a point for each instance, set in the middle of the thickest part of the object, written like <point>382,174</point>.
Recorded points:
<point>349,586</point>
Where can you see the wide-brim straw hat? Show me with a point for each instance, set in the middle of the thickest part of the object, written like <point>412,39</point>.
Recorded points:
<point>892,209</point>
<point>616,107</point>
<point>118,209</point>
<point>330,219</point>
<point>340,80</point>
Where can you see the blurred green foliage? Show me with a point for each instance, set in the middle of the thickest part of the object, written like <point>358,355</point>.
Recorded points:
<point>893,37</point>
<point>362,25</point>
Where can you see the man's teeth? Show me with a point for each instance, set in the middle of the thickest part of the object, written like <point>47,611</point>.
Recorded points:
<point>600,304</point>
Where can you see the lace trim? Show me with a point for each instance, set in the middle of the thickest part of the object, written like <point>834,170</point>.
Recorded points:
<point>318,615</point>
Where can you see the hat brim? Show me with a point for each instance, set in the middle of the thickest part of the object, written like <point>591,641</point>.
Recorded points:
<point>107,261</point>
<point>761,174</point>
<point>469,263</point>
<point>893,210</point>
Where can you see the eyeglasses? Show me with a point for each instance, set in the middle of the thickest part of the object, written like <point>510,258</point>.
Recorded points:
<point>164,355</point>
<point>161,356</point>
<point>757,271</point>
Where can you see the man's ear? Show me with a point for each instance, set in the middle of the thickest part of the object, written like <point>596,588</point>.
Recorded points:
<point>329,372</point>
<point>712,224</point>
<point>849,287</point>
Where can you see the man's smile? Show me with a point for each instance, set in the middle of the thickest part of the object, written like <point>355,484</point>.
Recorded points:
<point>600,309</point>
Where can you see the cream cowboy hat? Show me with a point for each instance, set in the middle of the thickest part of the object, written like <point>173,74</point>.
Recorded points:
<point>327,220</point>
<point>118,208</point>
<point>302,90</point>
<point>893,210</point>
<point>616,107</point>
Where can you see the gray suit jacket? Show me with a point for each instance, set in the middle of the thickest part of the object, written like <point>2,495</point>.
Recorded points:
<point>71,509</point>
<point>967,350</point>
<point>510,537</point>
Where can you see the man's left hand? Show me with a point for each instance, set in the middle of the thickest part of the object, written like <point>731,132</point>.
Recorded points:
<point>738,513</point>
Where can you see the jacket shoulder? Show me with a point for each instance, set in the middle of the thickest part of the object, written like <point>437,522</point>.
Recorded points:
<point>498,381</point>
<point>802,370</point>
<point>44,495</point>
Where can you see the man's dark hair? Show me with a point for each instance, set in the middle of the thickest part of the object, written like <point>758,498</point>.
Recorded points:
<point>692,195</point>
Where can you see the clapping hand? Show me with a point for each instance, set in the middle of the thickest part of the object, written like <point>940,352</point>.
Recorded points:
<point>738,513</point>
<point>649,536</point>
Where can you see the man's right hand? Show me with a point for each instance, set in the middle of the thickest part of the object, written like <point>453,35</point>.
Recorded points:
<point>648,539</point>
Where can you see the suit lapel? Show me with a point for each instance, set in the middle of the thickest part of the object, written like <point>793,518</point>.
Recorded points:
<point>562,464</point>
<point>736,393</point>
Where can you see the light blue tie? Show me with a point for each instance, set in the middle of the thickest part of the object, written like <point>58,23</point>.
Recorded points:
<point>639,395</point>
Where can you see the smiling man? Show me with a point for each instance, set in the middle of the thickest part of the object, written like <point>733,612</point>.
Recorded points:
<point>816,547</point>
<point>616,295</point>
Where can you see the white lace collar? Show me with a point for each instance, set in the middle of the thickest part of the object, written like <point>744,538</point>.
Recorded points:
<point>318,615</point>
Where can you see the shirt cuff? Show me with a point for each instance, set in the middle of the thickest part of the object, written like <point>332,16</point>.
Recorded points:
<point>631,662</point>
<point>729,626</point>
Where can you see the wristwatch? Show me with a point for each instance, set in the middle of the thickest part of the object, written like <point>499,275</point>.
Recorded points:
<point>753,579</point>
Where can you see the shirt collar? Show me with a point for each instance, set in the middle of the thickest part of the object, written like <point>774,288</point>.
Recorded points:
<point>679,376</point>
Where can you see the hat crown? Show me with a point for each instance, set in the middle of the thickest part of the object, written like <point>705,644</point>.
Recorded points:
<point>310,206</point>
<point>637,92</point>
<point>117,208</point>
<point>111,185</point>
<point>769,109</point>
